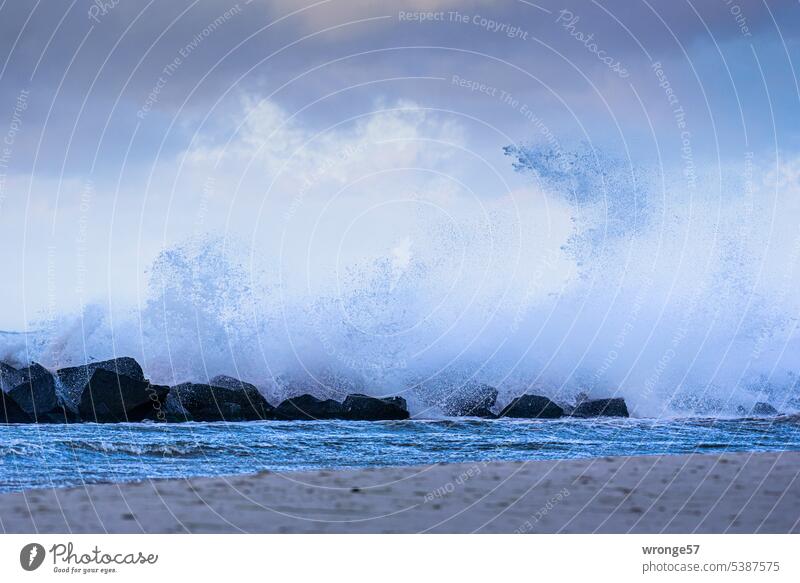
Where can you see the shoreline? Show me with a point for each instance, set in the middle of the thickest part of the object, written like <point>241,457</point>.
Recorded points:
<point>704,493</point>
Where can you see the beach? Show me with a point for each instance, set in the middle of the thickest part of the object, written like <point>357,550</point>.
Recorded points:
<point>718,493</point>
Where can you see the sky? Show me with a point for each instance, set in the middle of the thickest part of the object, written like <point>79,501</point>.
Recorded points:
<point>314,137</point>
<point>90,71</point>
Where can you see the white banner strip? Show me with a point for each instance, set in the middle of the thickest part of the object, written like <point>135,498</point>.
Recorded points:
<point>399,558</point>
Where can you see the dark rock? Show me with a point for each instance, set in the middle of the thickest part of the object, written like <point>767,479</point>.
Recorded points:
<point>764,409</point>
<point>308,407</point>
<point>567,408</point>
<point>227,382</point>
<point>470,400</point>
<point>109,397</point>
<point>174,411</point>
<point>532,407</point>
<point>10,377</point>
<point>61,414</point>
<point>74,379</point>
<point>322,382</point>
<point>11,412</point>
<point>601,408</point>
<point>760,409</point>
<point>199,402</point>
<point>36,394</point>
<point>364,408</point>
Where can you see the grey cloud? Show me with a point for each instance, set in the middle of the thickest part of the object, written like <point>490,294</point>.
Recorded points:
<point>107,62</point>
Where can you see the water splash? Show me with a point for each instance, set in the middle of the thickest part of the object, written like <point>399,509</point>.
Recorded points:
<point>599,278</point>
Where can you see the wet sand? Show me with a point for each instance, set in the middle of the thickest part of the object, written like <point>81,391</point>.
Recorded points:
<point>737,493</point>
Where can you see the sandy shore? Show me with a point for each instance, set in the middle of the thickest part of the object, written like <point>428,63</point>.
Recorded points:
<point>678,494</point>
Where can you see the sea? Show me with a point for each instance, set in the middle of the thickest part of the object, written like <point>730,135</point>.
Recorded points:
<point>57,456</point>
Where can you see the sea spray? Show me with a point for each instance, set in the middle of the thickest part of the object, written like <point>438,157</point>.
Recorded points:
<point>599,278</point>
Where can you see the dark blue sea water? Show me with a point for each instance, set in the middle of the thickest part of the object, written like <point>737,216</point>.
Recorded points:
<point>44,456</point>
